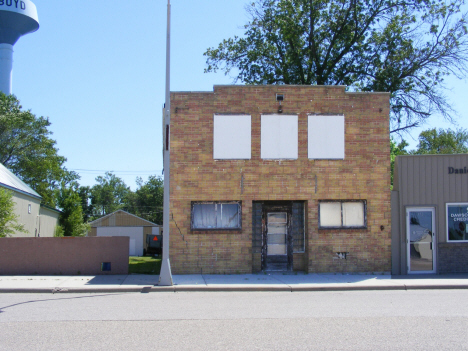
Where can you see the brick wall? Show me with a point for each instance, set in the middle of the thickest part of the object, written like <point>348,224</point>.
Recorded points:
<point>364,174</point>
<point>453,258</point>
<point>67,255</point>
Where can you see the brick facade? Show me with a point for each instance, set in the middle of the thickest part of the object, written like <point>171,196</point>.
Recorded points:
<point>364,174</point>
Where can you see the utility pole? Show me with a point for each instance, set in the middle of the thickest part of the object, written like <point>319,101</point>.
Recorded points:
<point>165,276</point>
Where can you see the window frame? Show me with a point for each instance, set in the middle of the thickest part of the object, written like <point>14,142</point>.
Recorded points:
<point>239,212</point>
<point>459,204</point>
<point>364,203</point>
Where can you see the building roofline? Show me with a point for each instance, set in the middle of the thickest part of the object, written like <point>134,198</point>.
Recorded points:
<point>286,86</point>
<point>20,191</point>
<point>433,155</point>
<point>110,214</point>
<point>51,208</point>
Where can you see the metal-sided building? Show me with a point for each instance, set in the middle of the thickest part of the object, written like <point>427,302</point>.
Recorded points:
<point>430,214</point>
<point>279,178</point>
<point>38,220</point>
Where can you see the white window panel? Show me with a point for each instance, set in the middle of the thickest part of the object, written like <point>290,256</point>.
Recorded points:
<point>277,250</point>
<point>326,137</point>
<point>353,214</point>
<point>279,138</point>
<point>232,137</point>
<point>330,214</point>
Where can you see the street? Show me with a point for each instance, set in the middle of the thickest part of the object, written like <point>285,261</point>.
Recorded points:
<point>354,320</point>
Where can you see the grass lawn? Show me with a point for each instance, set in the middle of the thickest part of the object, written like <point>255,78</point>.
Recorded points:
<point>144,265</point>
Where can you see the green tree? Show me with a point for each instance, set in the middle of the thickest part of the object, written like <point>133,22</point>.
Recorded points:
<point>28,151</point>
<point>396,150</point>
<point>147,201</point>
<point>442,141</point>
<point>86,205</point>
<point>8,219</point>
<point>109,195</point>
<point>71,217</point>
<point>404,47</point>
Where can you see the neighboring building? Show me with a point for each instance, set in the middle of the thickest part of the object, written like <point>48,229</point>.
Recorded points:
<point>38,220</point>
<point>430,214</point>
<point>121,223</point>
<point>280,178</point>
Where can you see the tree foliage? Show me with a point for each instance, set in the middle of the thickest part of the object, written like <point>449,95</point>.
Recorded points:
<point>396,150</point>
<point>442,141</point>
<point>404,47</point>
<point>71,219</point>
<point>8,219</point>
<point>28,151</point>
<point>147,201</point>
<point>108,195</point>
<point>87,207</point>
<point>431,141</point>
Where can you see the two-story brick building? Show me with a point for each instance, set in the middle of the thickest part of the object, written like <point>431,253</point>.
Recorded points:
<point>280,178</point>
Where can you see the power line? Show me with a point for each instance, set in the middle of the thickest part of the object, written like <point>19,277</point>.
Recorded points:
<point>153,171</point>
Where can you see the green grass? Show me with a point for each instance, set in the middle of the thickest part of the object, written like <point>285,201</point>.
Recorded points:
<point>144,265</point>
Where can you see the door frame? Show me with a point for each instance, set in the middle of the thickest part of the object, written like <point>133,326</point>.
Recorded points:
<point>272,207</point>
<point>408,241</point>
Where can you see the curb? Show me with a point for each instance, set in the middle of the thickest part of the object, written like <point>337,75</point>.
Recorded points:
<point>175,288</point>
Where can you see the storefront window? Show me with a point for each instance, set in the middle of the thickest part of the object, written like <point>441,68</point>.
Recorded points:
<point>216,215</point>
<point>457,222</point>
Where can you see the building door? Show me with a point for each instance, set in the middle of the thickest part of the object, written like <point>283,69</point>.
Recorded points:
<point>278,250</point>
<point>420,240</point>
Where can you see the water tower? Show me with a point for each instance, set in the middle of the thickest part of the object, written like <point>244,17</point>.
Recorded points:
<point>17,18</point>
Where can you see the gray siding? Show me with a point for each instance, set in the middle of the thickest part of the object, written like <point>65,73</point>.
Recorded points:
<point>48,220</point>
<point>424,181</point>
<point>28,220</point>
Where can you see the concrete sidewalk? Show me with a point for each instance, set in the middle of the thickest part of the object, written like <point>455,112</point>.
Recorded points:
<point>238,282</point>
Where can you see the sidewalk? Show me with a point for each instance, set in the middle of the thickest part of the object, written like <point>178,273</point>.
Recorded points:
<point>239,282</point>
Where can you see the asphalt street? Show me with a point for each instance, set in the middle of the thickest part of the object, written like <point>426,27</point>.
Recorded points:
<point>348,320</point>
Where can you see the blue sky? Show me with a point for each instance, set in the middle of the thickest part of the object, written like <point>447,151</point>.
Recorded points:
<point>97,70</point>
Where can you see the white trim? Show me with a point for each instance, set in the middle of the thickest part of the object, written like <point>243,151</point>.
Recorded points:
<point>110,214</point>
<point>446,222</point>
<point>408,241</point>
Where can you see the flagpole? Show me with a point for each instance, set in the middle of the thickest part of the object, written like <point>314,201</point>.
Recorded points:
<point>165,276</point>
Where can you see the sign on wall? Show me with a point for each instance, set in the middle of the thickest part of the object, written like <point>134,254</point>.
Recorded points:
<point>457,222</point>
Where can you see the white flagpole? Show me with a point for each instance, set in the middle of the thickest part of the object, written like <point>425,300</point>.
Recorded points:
<point>165,276</point>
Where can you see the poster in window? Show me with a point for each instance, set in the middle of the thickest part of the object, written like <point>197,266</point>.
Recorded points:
<point>457,222</point>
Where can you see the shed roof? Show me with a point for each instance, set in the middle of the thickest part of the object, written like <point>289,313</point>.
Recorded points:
<point>121,218</point>
<point>10,181</point>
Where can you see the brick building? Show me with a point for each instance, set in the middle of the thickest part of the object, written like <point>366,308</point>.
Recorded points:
<point>280,178</point>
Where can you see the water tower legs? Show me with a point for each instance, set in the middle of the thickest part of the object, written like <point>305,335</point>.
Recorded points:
<point>6,68</point>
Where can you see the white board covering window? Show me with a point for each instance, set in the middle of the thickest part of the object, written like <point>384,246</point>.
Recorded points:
<point>232,137</point>
<point>326,137</point>
<point>279,137</point>
<point>342,214</point>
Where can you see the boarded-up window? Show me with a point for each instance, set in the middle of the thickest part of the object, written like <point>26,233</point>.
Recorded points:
<point>232,137</point>
<point>342,214</point>
<point>326,137</point>
<point>298,229</point>
<point>279,137</point>
<point>330,214</point>
<point>216,215</point>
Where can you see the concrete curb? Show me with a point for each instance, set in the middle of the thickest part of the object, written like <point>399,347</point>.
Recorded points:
<point>175,288</point>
